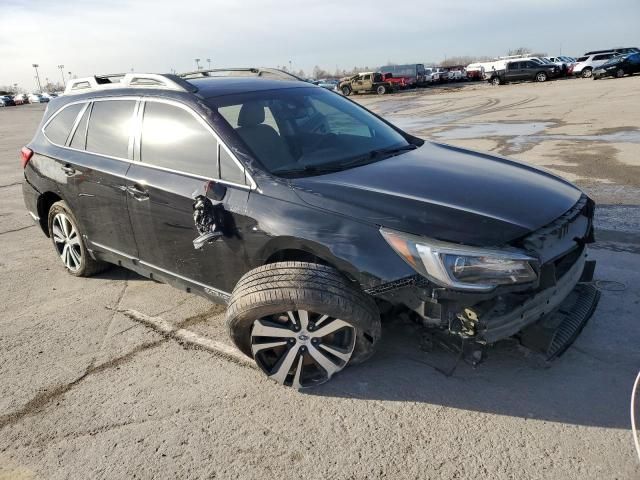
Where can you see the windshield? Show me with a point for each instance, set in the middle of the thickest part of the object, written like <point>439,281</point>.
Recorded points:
<point>306,131</point>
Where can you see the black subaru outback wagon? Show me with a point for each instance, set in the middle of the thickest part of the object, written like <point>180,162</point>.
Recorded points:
<point>308,216</point>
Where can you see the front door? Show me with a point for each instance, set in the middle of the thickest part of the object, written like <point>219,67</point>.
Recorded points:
<point>178,156</point>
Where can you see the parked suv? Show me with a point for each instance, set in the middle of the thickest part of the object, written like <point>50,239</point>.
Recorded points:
<point>619,66</point>
<point>521,70</point>
<point>585,65</point>
<point>308,216</point>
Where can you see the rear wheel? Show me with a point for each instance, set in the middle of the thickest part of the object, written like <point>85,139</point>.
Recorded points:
<point>302,322</point>
<point>541,77</point>
<point>496,81</point>
<point>586,73</point>
<point>381,90</point>
<point>346,90</point>
<point>69,244</point>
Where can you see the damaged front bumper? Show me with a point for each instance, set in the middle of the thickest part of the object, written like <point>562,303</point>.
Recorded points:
<point>547,314</point>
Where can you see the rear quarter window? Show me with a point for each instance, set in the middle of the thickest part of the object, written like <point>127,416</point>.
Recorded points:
<point>58,129</point>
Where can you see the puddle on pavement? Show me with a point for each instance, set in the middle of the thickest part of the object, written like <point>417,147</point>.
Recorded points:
<point>480,130</point>
<point>520,133</point>
<point>416,123</point>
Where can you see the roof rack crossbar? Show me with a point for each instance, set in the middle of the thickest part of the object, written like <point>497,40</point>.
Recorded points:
<point>129,80</point>
<point>242,71</point>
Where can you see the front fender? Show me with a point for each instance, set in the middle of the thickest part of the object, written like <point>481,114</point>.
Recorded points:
<point>353,247</point>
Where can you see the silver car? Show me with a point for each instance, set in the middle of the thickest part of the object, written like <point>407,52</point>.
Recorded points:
<point>585,65</point>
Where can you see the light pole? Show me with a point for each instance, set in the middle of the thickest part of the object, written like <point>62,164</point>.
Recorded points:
<point>61,67</point>
<point>35,65</point>
<point>209,62</point>
<point>290,69</point>
<point>197,64</point>
<point>69,74</point>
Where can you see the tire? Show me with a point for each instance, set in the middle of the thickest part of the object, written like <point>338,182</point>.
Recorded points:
<point>66,236</point>
<point>286,301</point>
<point>381,90</point>
<point>619,73</point>
<point>586,72</point>
<point>496,81</point>
<point>346,90</point>
<point>541,77</point>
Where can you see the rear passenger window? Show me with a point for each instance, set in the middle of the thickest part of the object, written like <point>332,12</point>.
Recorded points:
<point>59,128</point>
<point>110,127</point>
<point>172,138</point>
<point>80,136</point>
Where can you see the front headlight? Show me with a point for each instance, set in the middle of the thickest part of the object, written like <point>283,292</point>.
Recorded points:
<point>462,267</point>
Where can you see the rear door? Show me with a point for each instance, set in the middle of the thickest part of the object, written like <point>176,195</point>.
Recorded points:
<point>177,154</point>
<point>512,71</point>
<point>94,166</point>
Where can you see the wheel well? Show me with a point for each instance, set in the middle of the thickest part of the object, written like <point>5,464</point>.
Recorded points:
<point>44,205</point>
<point>294,255</point>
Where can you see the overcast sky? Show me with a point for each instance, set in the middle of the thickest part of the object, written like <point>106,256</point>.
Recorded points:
<point>105,36</point>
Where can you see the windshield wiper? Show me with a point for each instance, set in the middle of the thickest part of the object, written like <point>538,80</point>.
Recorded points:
<point>352,162</point>
<point>377,154</point>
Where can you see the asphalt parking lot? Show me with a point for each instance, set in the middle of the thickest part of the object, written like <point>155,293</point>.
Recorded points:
<point>92,387</point>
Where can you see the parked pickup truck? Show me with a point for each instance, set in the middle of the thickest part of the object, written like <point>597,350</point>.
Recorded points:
<point>519,70</point>
<point>365,82</point>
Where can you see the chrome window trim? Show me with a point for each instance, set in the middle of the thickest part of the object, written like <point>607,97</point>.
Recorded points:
<point>160,269</point>
<point>136,147</point>
<point>75,124</point>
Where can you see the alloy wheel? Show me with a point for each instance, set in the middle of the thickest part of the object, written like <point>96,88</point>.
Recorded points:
<point>619,73</point>
<point>586,73</point>
<point>67,242</point>
<point>301,348</point>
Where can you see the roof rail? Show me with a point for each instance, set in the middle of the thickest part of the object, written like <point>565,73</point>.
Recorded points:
<point>129,80</point>
<point>274,73</point>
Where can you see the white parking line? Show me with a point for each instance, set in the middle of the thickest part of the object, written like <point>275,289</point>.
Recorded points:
<point>190,338</point>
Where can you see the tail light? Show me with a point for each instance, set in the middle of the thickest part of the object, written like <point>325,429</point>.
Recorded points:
<point>25,156</point>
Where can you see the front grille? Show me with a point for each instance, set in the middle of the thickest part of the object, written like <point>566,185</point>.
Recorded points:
<point>557,241</point>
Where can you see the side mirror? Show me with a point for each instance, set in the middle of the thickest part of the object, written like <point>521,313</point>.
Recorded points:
<point>207,216</point>
<point>215,190</point>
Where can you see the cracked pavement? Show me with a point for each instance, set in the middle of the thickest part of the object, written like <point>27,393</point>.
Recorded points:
<point>88,391</point>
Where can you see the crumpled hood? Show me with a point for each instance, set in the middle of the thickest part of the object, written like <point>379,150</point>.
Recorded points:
<point>445,192</point>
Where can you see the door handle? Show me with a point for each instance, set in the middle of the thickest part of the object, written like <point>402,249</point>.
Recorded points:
<point>68,170</point>
<point>138,192</point>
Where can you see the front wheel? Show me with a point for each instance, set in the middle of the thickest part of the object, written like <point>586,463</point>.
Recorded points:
<point>619,73</point>
<point>541,77</point>
<point>586,73</point>
<point>346,91</point>
<point>302,322</point>
<point>69,244</point>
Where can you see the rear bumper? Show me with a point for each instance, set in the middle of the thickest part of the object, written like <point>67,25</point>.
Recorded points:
<point>30,196</point>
